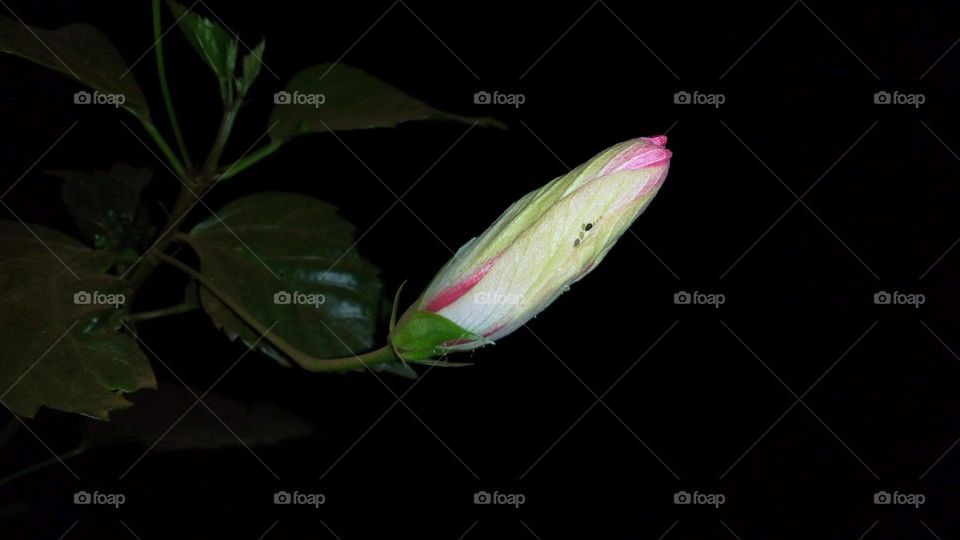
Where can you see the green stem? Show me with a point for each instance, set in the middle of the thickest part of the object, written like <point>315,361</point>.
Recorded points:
<point>164,87</point>
<point>163,312</point>
<point>223,134</point>
<point>164,147</point>
<point>307,362</point>
<point>194,187</point>
<point>41,465</point>
<point>185,201</point>
<point>242,164</point>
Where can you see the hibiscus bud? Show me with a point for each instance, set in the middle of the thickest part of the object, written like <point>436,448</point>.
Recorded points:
<point>541,245</point>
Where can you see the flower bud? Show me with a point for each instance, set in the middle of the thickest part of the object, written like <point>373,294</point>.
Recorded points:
<point>533,252</point>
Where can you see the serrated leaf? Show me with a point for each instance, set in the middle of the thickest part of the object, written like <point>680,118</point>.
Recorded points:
<point>57,351</point>
<point>155,412</point>
<point>215,45</point>
<point>336,97</point>
<point>107,205</point>
<point>79,51</point>
<point>269,248</point>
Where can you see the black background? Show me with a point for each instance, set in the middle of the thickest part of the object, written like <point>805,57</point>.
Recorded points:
<point>700,399</point>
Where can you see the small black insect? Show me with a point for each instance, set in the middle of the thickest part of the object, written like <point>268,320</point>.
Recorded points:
<point>588,226</point>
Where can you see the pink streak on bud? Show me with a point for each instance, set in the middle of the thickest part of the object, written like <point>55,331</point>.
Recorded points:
<point>640,157</point>
<point>494,330</point>
<point>454,292</point>
<point>456,342</point>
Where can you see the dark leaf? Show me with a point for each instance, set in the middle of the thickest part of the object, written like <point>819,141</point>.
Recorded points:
<point>107,205</point>
<point>289,259</point>
<point>335,97</point>
<point>79,51</point>
<point>60,344</point>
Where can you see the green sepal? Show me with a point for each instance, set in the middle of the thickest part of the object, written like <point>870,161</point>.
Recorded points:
<point>396,304</point>
<point>443,362</point>
<point>422,335</point>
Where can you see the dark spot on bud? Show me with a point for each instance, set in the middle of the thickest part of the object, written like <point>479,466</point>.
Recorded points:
<point>576,242</point>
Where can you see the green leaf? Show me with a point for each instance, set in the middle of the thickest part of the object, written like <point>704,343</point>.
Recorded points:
<point>422,335</point>
<point>107,205</point>
<point>79,51</point>
<point>269,248</point>
<point>215,45</point>
<point>57,351</point>
<point>252,62</point>
<point>255,424</point>
<point>335,97</point>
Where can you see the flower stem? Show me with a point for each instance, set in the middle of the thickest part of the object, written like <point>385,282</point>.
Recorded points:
<point>164,87</point>
<point>306,361</point>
